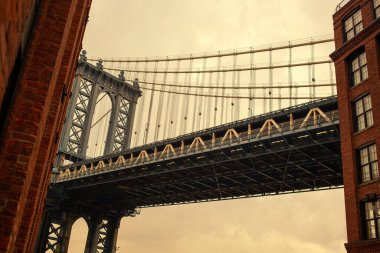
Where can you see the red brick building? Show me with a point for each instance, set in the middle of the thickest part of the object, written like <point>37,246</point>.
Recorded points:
<point>357,59</point>
<point>39,45</point>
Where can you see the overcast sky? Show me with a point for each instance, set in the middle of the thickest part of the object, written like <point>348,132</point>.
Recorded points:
<point>309,222</point>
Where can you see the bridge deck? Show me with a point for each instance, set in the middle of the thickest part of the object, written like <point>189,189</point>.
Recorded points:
<point>244,159</point>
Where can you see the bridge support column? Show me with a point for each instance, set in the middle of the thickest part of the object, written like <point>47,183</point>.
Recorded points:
<point>102,235</point>
<point>55,233</point>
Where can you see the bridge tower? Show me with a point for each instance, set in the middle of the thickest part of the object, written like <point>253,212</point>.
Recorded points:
<point>103,221</point>
<point>91,81</point>
<point>356,58</point>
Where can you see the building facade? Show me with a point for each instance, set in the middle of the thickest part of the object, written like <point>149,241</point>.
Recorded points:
<point>357,58</point>
<point>40,42</point>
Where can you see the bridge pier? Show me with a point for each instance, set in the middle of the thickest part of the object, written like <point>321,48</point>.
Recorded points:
<point>56,228</point>
<point>102,235</point>
<point>55,232</point>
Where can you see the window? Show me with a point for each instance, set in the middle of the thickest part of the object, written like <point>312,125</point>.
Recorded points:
<point>376,7</point>
<point>353,25</point>
<point>363,113</point>
<point>359,71</point>
<point>372,219</point>
<point>368,167</point>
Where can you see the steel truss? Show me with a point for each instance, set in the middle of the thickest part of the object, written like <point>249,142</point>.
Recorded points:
<point>103,226</point>
<point>90,81</point>
<point>277,157</point>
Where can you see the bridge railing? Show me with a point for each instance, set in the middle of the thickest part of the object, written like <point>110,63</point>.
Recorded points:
<point>315,118</point>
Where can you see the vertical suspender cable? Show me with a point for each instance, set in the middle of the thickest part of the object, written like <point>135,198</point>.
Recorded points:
<point>237,106</point>
<point>251,102</point>
<point>175,105</point>
<point>290,76</point>
<point>312,71</point>
<point>160,102</point>
<point>215,109</point>
<point>224,100</point>
<point>195,107</point>
<point>185,108</point>
<point>147,125</point>
<point>166,122</point>
<point>234,62</point>
<point>270,92</point>
<point>128,75</point>
<point>209,109</point>
<point>141,113</point>
<point>199,110</point>
<point>183,119</point>
<point>189,79</point>
<point>201,98</point>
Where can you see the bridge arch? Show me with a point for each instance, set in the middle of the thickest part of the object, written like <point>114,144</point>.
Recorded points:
<point>80,229</point>
<point>100,124</point>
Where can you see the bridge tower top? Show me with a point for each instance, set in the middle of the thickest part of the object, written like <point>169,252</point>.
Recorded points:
<point>91,85</point>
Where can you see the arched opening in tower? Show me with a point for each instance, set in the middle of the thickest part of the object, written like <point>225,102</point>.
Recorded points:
<point>99,126</point>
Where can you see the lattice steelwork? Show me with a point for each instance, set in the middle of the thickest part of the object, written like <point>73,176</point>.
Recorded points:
<point>54,238</point>
<point>121,127</point>
<point>114,134</point>
<point>103,239</point>
<point>230,152</point>
<point>80,111</point>
<point>289,150</point>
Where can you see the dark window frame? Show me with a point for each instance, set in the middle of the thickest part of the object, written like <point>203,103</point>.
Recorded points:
<point>371,163</point>
<point>367,113</point>
<point>376,8</point>
<point>369,209</point>
<point>351,25</point>
<point>358,67</point>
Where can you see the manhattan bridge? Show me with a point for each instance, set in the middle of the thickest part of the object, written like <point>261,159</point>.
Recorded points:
<point>157,131</point>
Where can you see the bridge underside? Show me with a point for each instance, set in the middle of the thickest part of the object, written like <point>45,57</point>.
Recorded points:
<point>293,161</point>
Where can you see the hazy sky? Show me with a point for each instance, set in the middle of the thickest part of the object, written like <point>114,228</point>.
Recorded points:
<point>307,222</point>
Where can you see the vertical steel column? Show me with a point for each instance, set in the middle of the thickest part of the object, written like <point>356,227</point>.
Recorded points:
<point>102,235</point>
<point>112,136</point>
<point>90,113</point>
<point>70,112</point>
<point>131,117</point>
<point>55,233</point>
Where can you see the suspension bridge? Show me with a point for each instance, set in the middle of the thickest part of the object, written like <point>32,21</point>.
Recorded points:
<point>193,128</point>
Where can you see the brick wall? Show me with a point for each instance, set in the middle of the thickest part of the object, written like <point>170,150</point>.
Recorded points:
<point>13,17</point>
<point>354,191</point>
<point>28,142</point>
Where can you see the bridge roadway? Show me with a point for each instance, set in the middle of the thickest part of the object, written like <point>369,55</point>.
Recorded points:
<point>290,150</point>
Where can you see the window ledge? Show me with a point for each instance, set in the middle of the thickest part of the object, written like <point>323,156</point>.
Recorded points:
<point>359,84</point>
<point>368,182</point>
<point>363,130</point>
